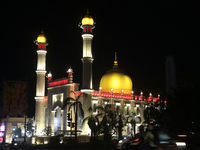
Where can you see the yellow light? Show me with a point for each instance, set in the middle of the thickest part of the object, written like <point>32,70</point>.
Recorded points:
<point>115,82</point>
<point>118,104</point>
<point>182,135</point>
<point>87,21</point>
<point>41,39</point>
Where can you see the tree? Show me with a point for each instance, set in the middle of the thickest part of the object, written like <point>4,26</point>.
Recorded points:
<point>29,127</point>
<point>76,104</point>
<point>17,132</point>
<point>47,131</point>
<point>111,121</point>
<point>93,123</point>
<point>120,126</point>
<point>155,113</point>
<point>133,120</point>
<point>14,98</point>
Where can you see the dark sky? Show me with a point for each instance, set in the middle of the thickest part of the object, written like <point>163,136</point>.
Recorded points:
<point>143,34</point>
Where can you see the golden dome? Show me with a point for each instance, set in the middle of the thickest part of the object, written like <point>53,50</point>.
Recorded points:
<point>87,19</point>
<point>117,80</point>
<point>41,38</point>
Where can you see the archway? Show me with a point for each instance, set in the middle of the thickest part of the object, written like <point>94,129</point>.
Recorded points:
<point>57,119</point>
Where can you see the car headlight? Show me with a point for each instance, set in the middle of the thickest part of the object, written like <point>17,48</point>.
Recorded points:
<point>120,141</point>
<point>180,144</point>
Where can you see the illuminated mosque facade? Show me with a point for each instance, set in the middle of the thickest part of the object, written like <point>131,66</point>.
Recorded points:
<point>115,88</point>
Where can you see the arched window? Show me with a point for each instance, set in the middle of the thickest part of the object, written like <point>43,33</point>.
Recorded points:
<point>128,110</point>
<point>56,114</point>
<point>138,111</point>
<point>94,108</point>
<point>118,109</point>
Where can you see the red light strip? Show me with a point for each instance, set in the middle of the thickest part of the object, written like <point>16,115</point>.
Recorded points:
<point>155,99</point>
<point>124,96</point>
<point>45,98</point>
<point>56,83</point>
<point>140,98</point>
<point>78,93</point>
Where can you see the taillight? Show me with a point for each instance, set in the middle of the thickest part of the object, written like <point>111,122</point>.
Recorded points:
<point>137,139</point>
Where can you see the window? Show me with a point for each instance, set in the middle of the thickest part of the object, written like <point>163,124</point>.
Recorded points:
<point>138,111</point>
<point>14,124</point>
<point>128,110</point>
<point>55,114</point>
<point>118,109</point>
<point>94,108</point>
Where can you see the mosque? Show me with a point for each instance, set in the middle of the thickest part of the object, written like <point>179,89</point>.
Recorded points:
<point>115,88</point>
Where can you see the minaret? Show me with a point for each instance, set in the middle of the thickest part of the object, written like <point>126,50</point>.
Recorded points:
<point>87,25</point>
<point>40,85</point>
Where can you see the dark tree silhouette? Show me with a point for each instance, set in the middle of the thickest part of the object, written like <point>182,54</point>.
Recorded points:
<point>93,123</point>
<point>155,113</point>
<point>77,105</point>
<point>47,131</point>
<point>111,121</point>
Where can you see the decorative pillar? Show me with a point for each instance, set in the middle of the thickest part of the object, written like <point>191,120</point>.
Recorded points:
<point>70,75</point>
<point>142,97</point>
<point>62,119</point>
<point>52,120</point>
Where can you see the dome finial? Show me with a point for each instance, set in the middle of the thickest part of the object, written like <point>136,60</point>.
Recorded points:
<point>115,62</point>
<point>87,20</point>
<point>87,11</point>
<point>70,70</point>
<point>41,38</point>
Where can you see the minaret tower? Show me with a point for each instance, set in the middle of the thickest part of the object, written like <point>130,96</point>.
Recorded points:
<point>87,25</point>
<point>40,85</point>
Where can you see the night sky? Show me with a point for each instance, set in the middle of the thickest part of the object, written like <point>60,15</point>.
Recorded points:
<point>142,34</point>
